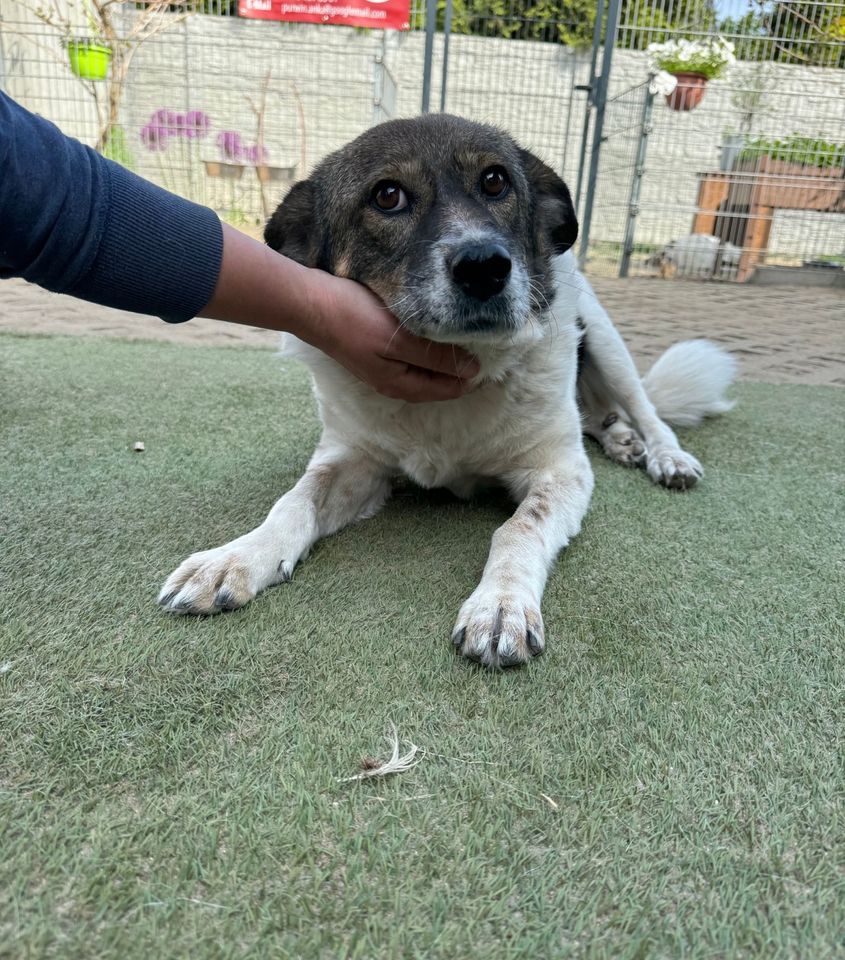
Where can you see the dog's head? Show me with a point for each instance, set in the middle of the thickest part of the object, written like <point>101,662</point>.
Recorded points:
<point>448,221</point>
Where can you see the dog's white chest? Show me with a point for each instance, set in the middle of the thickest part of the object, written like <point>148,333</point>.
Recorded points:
<point>428,470</point>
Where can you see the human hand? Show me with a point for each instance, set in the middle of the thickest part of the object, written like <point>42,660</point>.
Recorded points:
<point>360,333</point>
<point>342,318</point>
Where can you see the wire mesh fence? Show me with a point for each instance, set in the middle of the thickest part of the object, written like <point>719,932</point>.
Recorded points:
<point>754,174</point>
<point>223,110</point>
<point>229,111</point>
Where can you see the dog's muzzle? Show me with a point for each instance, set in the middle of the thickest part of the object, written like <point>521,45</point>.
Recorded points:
<point>481,270</point>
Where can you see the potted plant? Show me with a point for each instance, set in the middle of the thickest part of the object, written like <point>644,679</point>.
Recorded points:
<point>89,60</point>
<point>167,128</point>
<point>100,39</point>
<point>750,101</point>
<point>692,63</point>
<point>809,153</point>
<point>231,166</point>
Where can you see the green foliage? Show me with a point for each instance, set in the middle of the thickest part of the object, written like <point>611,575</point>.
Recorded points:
<point>660,21</point>
<point>569,22</point>
<point>116,148</point>
<point>707,57</point>
<point>220,8</point>
<point>789,31</point>
<point>807,151</point>
<point>797,31</point>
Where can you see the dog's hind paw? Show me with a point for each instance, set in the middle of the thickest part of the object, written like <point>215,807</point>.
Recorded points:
<point>626,448</point>
<point>498,631</point>
<point>674,468</point>
<point>619,440</point>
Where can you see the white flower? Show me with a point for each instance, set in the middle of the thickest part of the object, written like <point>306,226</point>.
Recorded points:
<point>662,82</point>
<point>710,55</point>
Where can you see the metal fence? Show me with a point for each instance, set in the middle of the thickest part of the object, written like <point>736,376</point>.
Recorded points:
<point>226,111</point>
<point>754,175</point>
<point>229,111</point>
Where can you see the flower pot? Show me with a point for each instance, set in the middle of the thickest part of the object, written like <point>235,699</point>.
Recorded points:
<point>687,95</point>
<point>266,174</point>
<point>90,61</point>
<point>228,171</point>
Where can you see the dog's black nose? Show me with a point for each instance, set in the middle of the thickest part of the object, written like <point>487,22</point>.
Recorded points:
<point>481,270</point>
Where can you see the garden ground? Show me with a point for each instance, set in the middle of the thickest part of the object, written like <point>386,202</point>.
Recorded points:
<point>665,781</point>
<point>780,334</point>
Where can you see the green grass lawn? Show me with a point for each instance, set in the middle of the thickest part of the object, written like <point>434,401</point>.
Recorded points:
<point>666,781</point>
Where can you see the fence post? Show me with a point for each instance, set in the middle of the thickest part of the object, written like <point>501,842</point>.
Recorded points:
<point>447,30</point>
<point>378,82</point>
<point>637,181</point>
<point>591,93</point>
<point>611,26</point>
<point>430,27</point>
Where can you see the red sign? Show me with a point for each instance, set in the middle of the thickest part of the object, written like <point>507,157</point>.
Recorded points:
<point>377,14</point>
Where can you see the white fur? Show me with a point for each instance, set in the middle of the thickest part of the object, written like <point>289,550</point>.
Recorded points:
<point>689,381</point>
<point>521,427</point>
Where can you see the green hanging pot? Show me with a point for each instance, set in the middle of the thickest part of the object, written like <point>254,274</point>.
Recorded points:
<point>90,61</point>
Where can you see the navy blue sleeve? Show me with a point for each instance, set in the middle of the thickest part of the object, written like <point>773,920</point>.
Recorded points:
<point>76,223</point>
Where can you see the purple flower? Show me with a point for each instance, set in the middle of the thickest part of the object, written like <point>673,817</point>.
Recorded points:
<point>256,155</point>
<point>229,143</point>
<point>172,122</point>
<point>154,136</point>
<point>196,124</point>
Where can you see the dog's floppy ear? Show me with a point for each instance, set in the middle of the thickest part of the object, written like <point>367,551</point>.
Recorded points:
<point>292,230</point>
<point>553,208</point>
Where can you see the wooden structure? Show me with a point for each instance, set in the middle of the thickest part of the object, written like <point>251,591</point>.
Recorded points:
<point>739,206</point>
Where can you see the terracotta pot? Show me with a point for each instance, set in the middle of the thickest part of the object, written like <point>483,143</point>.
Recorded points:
<point>687,95</point>
<point>229,171</point>
<point>267,174</point>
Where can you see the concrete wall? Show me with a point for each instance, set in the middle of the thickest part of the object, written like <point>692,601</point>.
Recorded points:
<point>323,84</point>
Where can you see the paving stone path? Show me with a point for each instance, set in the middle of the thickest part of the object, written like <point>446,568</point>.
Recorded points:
<point>780,334</point>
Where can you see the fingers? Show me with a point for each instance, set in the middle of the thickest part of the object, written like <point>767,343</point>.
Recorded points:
<point>443,358</point>
<point>415,385</point>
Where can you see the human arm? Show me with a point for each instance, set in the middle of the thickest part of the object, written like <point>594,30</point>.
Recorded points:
<point>342,318</point>
<point>76,223</point>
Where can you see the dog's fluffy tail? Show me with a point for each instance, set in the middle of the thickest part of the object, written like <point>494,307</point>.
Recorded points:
<point>689,382</point>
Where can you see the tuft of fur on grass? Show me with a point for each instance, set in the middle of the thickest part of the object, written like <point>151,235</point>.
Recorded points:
<point>371,767</point>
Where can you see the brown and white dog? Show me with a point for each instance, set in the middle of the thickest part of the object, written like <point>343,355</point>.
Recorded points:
<point>464,236</point>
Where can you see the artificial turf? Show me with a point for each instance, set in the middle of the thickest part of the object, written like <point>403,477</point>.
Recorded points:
<point>665,782</point>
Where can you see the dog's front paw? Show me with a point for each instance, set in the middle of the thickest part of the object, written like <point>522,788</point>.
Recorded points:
<point>217,580</point>
<point>674,468</point>
<point>497,630</point>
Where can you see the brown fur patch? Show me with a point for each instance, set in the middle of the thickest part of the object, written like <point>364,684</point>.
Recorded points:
<point>342,266</point>
<point>321,479</point>
<point>537,507</point>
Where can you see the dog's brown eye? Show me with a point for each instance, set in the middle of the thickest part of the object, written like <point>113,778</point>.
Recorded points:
<point>495,182</point>
<point>389,196</point>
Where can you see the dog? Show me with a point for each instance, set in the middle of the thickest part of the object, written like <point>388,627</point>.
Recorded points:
<point>697,255</point>
<point>466,237</point>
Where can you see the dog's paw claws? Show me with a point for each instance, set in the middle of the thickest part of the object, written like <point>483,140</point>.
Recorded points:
<point>165,598</point>
<point>675,470</point>
<point>225,600</point>
<point>535,644</point>
<point>210,582</point>
<point>501,632</point>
